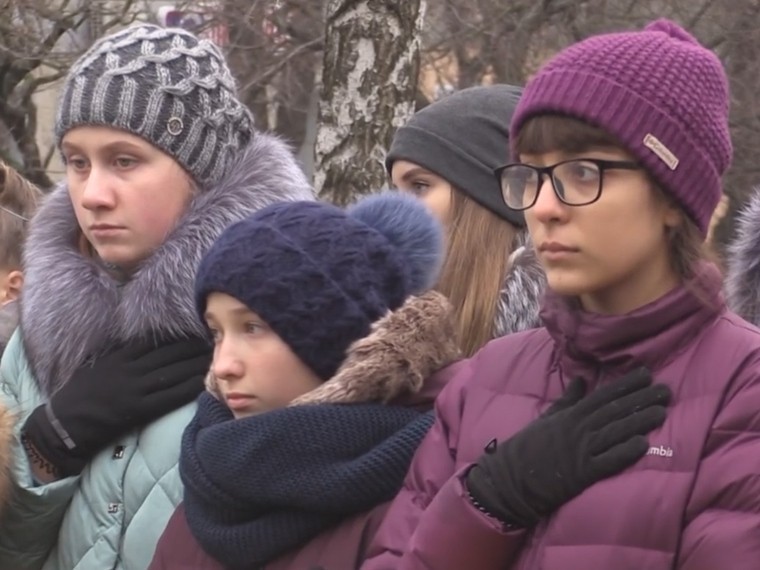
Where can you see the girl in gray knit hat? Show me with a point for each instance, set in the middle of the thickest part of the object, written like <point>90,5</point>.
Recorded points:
<point>446,155</point>
<point>161,156</point>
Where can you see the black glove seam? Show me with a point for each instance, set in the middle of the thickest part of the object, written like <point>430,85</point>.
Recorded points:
<point>489,514</point>
<point>507,521</point>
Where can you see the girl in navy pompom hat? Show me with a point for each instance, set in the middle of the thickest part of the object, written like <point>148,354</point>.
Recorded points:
<point>326,333</point>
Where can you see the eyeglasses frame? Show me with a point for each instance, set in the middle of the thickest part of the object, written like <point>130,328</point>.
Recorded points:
<point>544,171</point>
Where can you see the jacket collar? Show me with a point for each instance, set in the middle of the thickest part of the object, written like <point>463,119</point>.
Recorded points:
<point>8,322</point>
<point>649,336</point>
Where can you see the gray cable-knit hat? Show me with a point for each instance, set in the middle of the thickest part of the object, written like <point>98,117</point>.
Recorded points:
<point>165,85</point>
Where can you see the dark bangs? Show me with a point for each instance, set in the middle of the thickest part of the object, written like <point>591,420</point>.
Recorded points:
<point>560,133</point>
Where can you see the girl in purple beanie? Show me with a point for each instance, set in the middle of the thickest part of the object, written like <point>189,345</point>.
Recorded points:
<point>555,448</point>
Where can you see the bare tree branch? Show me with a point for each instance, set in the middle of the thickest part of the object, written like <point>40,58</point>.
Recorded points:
<point>36,49</point>
<point>267,75</point>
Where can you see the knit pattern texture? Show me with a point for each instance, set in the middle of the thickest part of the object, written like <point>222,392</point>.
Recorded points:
<point>650,89</point>
<point>315,466</point>
<point>164,85</point>
<point>320,276</point>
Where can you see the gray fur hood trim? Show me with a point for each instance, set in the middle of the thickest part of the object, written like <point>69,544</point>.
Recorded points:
<point>72,309</point>
<point>522,293</point>
<point>742,283</point>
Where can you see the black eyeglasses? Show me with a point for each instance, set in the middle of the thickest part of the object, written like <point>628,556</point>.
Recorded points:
<point>576,182</point>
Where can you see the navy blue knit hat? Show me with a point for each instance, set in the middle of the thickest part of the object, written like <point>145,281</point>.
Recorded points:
<point>319,275</point>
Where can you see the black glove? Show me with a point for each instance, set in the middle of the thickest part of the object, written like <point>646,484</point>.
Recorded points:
<point>121,391</point>
<point>577,442</point>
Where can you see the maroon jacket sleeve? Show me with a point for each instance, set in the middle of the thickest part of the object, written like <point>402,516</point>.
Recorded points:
<point>432,525</point>
<point>177,548</point>
<point>167,543</point>
<point>723,515</point>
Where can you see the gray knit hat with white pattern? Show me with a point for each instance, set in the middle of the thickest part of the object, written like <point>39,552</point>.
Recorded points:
<point>165,85</point>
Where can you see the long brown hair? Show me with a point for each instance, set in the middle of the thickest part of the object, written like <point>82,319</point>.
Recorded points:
<point>478,249</point>
<point>687,248</point>
<point>19,199</point>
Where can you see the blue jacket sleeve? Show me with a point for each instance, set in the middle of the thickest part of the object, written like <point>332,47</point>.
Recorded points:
<point>33,514</point>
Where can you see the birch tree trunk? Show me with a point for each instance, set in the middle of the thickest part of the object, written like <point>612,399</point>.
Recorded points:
<point>369,83</point>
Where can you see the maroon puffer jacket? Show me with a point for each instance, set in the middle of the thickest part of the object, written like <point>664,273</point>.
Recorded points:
<point>693,503</point>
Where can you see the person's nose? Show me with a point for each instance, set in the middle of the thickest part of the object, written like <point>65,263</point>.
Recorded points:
<point>548,207</point>
<point>99,192</point>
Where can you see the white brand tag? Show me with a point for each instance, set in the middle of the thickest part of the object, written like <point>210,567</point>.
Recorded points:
<point>655,145</point>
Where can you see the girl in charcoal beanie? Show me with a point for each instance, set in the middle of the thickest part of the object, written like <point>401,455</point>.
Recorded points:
<point>445,156</point>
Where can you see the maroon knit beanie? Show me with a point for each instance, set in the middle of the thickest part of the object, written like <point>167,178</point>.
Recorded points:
<point>659,92</point>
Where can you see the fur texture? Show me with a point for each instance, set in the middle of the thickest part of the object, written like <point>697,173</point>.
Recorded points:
<point>743,276</point>
<point>406,223</point>
<point>404,348</point>
<point>523,292</point>
<point>72,309</point>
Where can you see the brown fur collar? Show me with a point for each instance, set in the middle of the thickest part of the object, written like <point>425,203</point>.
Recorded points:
<point>403,349</point>
<point>395,360</point>
<point>7,420</point>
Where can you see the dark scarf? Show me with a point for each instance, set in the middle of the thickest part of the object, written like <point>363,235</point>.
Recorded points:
<point>259,487</point>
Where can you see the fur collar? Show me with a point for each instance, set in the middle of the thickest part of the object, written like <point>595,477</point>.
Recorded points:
<point>72,309</point>
<point>395,361</point>
<point>522,293</point>
<point>742,283</point>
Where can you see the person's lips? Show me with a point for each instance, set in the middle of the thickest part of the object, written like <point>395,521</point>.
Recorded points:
<point>554,251</point>
<point>105,230</point>
<point>238,400</point>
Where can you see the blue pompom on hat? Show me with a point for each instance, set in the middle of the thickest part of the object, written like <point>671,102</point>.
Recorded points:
<point>319,275</point>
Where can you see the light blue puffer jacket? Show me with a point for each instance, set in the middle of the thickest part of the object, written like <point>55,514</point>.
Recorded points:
<point>111,516</point>
<point>120,503</point>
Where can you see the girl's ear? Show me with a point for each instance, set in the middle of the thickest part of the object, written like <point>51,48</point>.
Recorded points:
<point>10,286</point>
<point>671,211</point>
<point>673,216</point>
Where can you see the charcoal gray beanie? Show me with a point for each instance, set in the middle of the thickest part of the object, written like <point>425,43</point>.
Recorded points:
<point>462,138</point>
<point>165,85</point>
